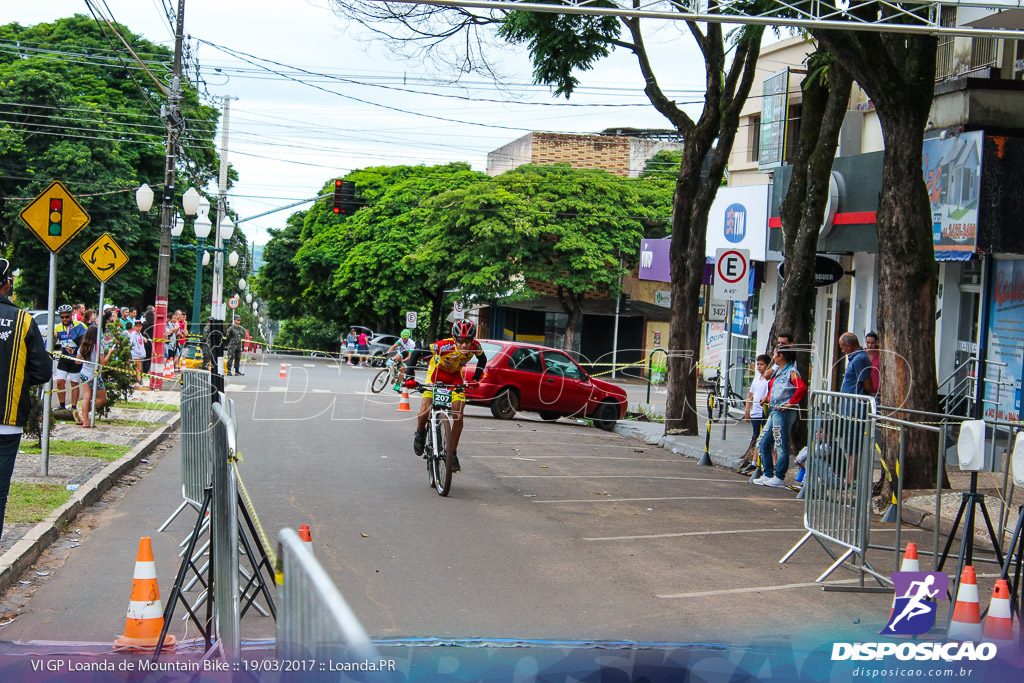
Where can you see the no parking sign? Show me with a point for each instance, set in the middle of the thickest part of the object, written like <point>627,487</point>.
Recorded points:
<point>732,275</point>
<point>410,320</point>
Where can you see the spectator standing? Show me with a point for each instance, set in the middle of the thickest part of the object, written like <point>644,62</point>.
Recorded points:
<point>138,347</point>
<point>872,349</point>
<point>786,389</point>
<point>363,348</point>
<point>78,312</point>
<point>95,354</point>
<point>350,346</point>
<point>857,378</point>
<point>233,340</point>
<point>754,411</point>
<point>24,363</point>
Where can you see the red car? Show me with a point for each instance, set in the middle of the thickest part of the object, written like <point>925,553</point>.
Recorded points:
<point>529,377</point>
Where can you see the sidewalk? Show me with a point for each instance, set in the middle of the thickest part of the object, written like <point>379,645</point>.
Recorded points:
<point>85,478</point>
<point>918,505</point>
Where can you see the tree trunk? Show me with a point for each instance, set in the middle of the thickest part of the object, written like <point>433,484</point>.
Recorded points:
<point>694,194</point>
<point>572,304</point>
<point>898,73</point>
<point>826,95</point>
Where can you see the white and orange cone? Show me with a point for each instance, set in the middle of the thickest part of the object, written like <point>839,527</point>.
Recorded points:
<point>284,372</point>
<point>999,621</point>
<point>966,623</point>
<point>306,537</point>
<point>145,618</point>
<point>910,564</point>
<point>403,405</point>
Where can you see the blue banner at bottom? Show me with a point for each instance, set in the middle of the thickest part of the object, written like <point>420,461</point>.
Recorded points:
<point>415,660</point>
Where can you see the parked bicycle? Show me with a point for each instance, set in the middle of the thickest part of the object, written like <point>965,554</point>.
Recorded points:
<point>718,400</point>
<point>439,434</point>
<point>388,376</point>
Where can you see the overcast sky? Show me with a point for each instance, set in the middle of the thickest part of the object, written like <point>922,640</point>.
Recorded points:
<point>288,138</point>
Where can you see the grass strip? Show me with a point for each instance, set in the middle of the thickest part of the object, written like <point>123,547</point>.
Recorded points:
<point>140,405</point>
<point>83,449</point>
<point>34,502</point>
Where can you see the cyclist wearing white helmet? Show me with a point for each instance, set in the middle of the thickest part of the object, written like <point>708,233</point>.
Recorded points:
<point>448,356</point>
<point>68,335</point>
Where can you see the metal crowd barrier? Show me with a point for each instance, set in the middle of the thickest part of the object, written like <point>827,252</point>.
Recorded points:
<point>224,531</point>
<point>196,395</point>
<point>313,618</point>
<point>837,485</point>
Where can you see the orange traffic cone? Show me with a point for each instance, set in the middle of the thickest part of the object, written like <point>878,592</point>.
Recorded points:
<point>999,621</point>
<point>284,373</point>
<point>145,614</point>
<point>910,562</point>
<point>403,405</point>
<point>306,537</point>
<point>966,623</point>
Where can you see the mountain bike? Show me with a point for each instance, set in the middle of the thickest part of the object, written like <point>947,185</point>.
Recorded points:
<point>439,435</point>
<point>718,400</point>
<point>388,376</point>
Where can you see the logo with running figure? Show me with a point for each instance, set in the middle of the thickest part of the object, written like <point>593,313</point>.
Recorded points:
<point>917,593</point>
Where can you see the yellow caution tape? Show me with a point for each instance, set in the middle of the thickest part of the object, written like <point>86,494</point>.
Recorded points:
<point>267,547</point>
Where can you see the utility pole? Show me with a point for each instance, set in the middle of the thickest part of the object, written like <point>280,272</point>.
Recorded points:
<point>167,211</point>
<point>218,310</point>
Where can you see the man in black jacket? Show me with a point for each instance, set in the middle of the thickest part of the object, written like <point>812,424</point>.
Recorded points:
<point>24,363</point>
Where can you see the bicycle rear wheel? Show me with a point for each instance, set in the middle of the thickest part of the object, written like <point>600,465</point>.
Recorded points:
<point>380,380</point>
<point>442,459</point>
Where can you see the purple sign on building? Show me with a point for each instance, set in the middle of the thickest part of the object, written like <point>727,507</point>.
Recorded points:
<point>654,262</point>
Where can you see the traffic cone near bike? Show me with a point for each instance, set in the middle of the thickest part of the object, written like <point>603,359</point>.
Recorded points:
<point>403,405</point>
<point>999,620</point>
<point>284,372</point>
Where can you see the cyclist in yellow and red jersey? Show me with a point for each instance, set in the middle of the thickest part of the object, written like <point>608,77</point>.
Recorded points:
<point>448,356</point>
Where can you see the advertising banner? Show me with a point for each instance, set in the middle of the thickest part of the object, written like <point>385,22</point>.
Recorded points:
<point>952,171</point>
<point>1005,341</point>
<point>739,220</point>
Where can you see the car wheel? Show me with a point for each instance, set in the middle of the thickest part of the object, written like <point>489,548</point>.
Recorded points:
<point>606,415</point>
<point>548,416</point>
<point>505,405</point>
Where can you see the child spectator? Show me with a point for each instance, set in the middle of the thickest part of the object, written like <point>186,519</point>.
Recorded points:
<point>138,347</point>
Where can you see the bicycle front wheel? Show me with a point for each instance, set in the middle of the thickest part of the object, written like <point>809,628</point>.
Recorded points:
<point>442,460</point>
<point>380,380</point>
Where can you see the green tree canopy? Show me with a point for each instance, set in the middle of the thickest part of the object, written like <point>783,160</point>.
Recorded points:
<point>72,113</point>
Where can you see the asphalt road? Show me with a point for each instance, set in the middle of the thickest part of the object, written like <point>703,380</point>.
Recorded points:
<point>552,530</point>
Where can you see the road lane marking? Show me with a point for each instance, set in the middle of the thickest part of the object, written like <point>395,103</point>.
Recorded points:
<point>309,365</point>
<point>235,387</point>
<point>630,500</point>
<point>696,533</point>
<point>755,589</point>
<point>612,476</point>
<point>541,456</point>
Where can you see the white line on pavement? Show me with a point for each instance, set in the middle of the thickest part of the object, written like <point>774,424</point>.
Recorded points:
<point>755,589</point>
<point>611,476</point>
<point>585,457</point>
<point>696,533</point>
<point>630,500</point>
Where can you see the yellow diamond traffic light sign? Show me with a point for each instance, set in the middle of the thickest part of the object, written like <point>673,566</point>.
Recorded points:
<point>54,216</point>
<point>104,257</point>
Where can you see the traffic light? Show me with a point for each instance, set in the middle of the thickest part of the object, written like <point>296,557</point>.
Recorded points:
<point>624,303</point>
<point>56,216</point>
<point>344,197</point>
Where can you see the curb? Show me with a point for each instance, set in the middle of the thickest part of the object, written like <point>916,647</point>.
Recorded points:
<point>28,549</point>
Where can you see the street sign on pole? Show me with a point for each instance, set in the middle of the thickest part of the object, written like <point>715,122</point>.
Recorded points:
<point>55,216</point>
<point>732,275</point>
<point>233,302</point>
<point>410,320</point>
<point>104,257</point>
<point>459,311</point>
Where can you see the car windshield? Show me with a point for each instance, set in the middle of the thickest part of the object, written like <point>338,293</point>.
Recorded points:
<point>490,348</point>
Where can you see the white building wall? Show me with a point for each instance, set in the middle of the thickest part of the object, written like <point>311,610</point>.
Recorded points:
<point>864,295</point>
<point>947,310</point>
